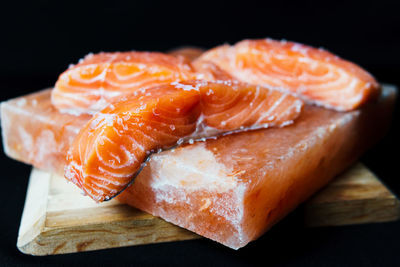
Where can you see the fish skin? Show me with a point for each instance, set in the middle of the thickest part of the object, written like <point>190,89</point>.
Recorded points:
<point>111,148</point>
<point>316,75</point>
<point>99,79</point>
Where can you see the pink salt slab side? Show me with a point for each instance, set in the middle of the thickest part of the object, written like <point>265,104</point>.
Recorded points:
<point>235,188</point>
<point>34,132</point>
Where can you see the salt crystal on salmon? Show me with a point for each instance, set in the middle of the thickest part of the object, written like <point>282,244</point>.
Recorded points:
<point>314,74</point>
<point>112,147</point>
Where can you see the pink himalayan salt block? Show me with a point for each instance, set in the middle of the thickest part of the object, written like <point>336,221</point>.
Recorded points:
<point>234,188</point>
<point>36,133</point>
<point>231,189</point>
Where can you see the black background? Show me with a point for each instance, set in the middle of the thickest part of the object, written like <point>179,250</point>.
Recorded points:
<point>39,39</point>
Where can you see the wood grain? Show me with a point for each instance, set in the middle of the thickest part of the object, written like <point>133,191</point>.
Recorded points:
<point>357,196</point>
<point>58,219</point>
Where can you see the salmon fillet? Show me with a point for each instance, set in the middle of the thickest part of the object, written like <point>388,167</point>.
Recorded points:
<point>314,74</point>
<point>112,147</point>
<point>98,79</point>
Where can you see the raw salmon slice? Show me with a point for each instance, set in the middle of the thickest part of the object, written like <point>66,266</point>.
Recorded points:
<point>315,74</point>
<point>99,79</point>
<point>111,149</point>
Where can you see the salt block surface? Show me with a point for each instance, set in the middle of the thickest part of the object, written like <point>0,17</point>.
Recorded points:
<point>235,188</point>
<point>36,133</point>
<point>231,189</point>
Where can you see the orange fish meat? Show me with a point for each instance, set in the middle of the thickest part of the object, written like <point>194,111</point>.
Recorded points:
<point>205,70</point>
<point>314,74</point>
<point>187,53</point>
<point>102,78</point>
<point>209,71</point>
<point>111,149</point>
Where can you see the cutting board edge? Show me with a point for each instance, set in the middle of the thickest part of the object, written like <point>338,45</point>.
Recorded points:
<point>390,213</point>
<point>51,239</point>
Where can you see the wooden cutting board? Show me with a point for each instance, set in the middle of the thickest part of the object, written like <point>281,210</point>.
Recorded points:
<point>58,219</point>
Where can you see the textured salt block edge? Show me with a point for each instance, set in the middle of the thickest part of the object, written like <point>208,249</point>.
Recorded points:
<point>5,122</point>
